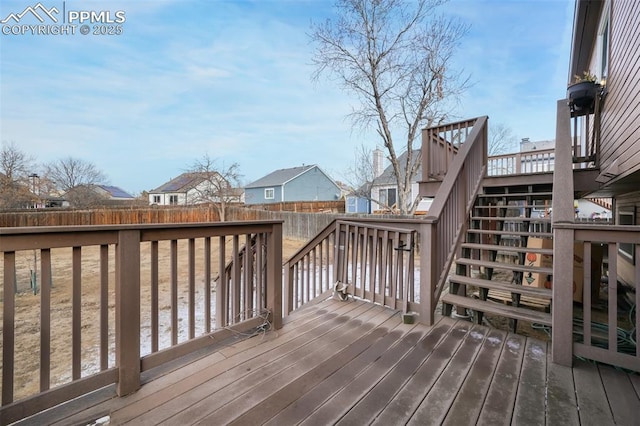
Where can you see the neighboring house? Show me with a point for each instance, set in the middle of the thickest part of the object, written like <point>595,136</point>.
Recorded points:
<point>113,193</point>
<point>605,43</point>
<point>304,183</point>
<point>384,190</point>
<point>93,196</point>
<point>357,201</point>
<point>190,188</point>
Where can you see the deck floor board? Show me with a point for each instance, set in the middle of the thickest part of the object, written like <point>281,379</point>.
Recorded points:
<point>357,363</point>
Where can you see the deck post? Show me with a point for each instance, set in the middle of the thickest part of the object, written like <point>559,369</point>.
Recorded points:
<point>128,311</point>
<point>427,273</point>
<point>274,275</point>
<point>563,212</point>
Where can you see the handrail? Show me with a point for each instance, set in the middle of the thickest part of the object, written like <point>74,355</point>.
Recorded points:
<point>129,259</point>
<point>444,226</point>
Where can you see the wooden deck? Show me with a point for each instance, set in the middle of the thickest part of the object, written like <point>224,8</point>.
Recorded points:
<point>356,363</point>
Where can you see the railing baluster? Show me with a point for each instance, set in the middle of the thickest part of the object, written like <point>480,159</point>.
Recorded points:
<point>104,306</point>
<point>314,267</point>
<point>613,297</point>
<point>45,320</point>
<point>207,284</point>
<point>247,278</point>
<point>586,293</point>
<point>260,302</point>
<point>321,283</point>
<point>221,290</point>
<point>192,287</point>
<point>154,297</point>
<point>306,265</point>
<point>174,292</point>
<point>8,323</point>
<point>236,281</point>
<point>76,316</point>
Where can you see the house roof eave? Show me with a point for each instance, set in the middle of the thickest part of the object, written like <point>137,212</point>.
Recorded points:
<point>585,29</point>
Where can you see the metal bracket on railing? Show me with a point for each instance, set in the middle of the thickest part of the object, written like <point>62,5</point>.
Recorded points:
<point>403,246</point>
<point>341,290</point>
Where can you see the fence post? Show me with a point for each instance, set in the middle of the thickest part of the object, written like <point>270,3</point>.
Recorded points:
<point>274,275</point>
<point>128,311</point>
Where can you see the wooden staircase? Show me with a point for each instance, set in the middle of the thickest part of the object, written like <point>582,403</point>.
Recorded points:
<point>494,260</point>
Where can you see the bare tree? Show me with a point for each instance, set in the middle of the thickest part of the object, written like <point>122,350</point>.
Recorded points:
<point>15,167</point>
<point>69,173</point>
<point>220,184</point>
<point>361,173</point>
<point>501,140</point>
<point>395,56</point>
<point>364,174</point>
<point>86,197</point>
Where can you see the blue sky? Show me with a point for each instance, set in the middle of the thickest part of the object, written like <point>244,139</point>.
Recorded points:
<point>233,79</point>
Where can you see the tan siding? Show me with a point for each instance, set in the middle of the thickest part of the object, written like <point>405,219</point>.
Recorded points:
<point>621,115</point>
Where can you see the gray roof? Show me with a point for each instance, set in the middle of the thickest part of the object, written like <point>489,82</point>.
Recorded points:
<point>182,183</point>
<point>116,192</point>
<point>387,177</point>
<point>280,177</point>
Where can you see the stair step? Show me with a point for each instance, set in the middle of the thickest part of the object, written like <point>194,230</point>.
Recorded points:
<point>495,247</point>
<point>500,309</point>
<point>515,206</point>
<point>541,293</point>
<point>534,195</point>
<point>514,219</point>
<point>516,233</point>
<point>505,266</point>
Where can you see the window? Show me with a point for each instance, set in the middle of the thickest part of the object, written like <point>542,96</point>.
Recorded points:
<point>603,44</point>
<point>173,199</point>
<point>387,197</point>
<point>269,194</point>
<point>156,199</point>
<point>627,216</point>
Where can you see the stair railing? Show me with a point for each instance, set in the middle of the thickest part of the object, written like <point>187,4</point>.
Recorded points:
<point>443,228</point>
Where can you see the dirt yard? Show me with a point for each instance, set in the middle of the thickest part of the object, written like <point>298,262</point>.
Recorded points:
<point>27,308</point>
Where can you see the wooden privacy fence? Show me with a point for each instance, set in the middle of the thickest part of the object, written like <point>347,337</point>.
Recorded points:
<point>107,216</point>
<point>142,299</point>
<point>296,225</point>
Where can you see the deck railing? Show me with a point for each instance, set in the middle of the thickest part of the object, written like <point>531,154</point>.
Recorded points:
<point>365,259</point>
<point>539,161</point>
<point>588,243</point>
<point>124,299</point>
<point>608,338</point>
<point>446,222</point>
<point>585,139</point>
<point>440,145</point>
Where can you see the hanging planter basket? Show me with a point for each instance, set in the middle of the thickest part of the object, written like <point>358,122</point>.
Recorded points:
<point>582,95</point>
